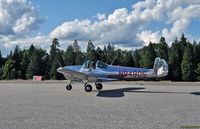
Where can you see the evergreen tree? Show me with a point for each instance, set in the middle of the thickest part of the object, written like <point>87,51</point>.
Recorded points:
<point>69,56</point>
<point>24,64</point>
<point>54,49</point>
<point>16,57</point>
<point>163,49</point>
<point>105,55</point>
<point>128,59</point>
<point>36,67</point>
<point>80,58</point>
<point>8,70</point>
<point>197,71</point>
<point>148,56</point>
<point>110,53</point>
<point>196,57</point>
<point>119,57</point>
<point>99,53</point>
<point>137,58</point>
<point>76,47</point>
<point>32,48</point>
<point>91,53</point>
<point>55,65</point>
<point>1,60</point>
<point>182,44</point>
<point>174,62</point>
<point>54,52</point>
<point>187,64</point>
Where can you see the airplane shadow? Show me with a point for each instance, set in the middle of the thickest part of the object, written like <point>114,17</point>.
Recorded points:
<point>116,93</point>
<point>195,93</point>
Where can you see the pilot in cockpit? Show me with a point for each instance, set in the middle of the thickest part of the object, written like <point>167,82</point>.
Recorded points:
<point>92,65</point>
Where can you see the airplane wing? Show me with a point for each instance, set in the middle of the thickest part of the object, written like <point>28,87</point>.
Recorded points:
<point>75,76</point>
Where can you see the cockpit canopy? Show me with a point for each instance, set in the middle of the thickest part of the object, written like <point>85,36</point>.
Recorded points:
<point>92,65</point>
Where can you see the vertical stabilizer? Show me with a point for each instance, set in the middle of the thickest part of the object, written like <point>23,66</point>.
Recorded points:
<point>160,67</point>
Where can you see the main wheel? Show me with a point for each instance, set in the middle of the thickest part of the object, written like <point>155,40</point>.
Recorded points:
<point>99,86</point>
<point>69,87</point>
<point>88,88</point>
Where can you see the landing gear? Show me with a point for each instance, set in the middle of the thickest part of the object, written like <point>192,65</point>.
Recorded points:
<point>88,88</point>
<point>69,87</point>
<point>99,86</point>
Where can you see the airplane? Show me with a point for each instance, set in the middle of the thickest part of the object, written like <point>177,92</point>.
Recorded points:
<point>100,72</point>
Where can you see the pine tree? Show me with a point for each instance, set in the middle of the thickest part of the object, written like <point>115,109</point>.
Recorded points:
<point>119,58</point>
<point>76,47</point>
<point>36,67</point>
<point>55,65</point>
<point>79,56</point>
<point>174,62</point>
<point>54,49</point>
<point>197,71</point>
<point>7,69</point>
<point>24,63</point>
<point>128,59</point>
<point>163,49</point>
<point>136,58</point>
<point>69,56</point>
<point>187,65</point>
<point>148,56</point>
<point>91,53</point>
<point>110,53</point>
<point>99,53</point>
<point>196,57</point>
<point>17,57</point>
<point>1,60</point>
<point>55,53</point>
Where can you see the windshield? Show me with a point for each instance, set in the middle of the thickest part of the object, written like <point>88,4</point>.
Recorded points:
<point>89,64</point>
<point>100,64</point>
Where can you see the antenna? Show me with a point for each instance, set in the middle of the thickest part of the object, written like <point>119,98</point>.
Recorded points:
<point>113,60</point>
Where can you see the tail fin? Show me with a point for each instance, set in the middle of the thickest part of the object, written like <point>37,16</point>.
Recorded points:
<point>160,67</point>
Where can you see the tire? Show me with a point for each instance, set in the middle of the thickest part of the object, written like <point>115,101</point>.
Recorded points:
<point>88,88</point>
<point>69,87</point>
<point>99,86</point>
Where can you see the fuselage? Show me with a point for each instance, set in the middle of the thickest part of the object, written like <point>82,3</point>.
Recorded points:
<point>100,71</point>
<point>114,72</point>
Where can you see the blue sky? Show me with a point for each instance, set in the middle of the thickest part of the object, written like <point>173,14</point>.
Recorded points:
<point>67,10</point>
<point>128,24</point>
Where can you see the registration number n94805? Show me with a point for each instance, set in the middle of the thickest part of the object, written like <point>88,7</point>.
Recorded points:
<point>132,73</point>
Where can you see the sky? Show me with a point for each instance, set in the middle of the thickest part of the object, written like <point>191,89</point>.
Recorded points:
<point>127,24</point>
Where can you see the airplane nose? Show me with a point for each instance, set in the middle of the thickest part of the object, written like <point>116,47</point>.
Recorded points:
<point>59,69</point>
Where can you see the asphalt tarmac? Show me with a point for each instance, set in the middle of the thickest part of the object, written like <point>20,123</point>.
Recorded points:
<point>120,105</point>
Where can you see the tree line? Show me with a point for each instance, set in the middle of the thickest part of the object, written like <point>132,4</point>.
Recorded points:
<point>183,58</point>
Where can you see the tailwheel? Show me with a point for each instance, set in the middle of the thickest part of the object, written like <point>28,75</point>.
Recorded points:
<point>99,86</point>
<point>88,88</point>
<point>69,87</point>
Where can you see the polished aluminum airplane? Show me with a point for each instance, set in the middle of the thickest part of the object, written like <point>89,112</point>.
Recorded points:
<point>100,72</point>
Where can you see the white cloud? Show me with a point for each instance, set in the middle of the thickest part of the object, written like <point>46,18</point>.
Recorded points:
<point>100,17</point>
<point>129,28</point>
<point>178,14</point>
<point>148,36</point>
<point>124,28</point>
<point>9,42</point>
<point>17,19</point>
